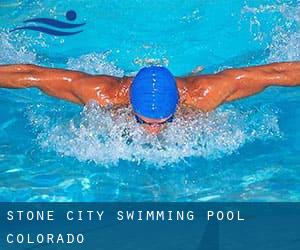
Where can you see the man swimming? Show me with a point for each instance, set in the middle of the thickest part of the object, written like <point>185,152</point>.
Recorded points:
<point>153,93</point>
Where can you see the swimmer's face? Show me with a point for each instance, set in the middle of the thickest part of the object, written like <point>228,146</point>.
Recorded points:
<point>153,126</point>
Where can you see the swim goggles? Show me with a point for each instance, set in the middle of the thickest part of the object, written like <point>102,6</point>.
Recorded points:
<point>141,121</point>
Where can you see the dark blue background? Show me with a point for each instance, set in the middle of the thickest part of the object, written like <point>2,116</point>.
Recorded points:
<point>266,226</point>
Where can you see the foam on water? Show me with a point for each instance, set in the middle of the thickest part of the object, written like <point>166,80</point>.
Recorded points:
<point>95,63</point>
<point>106,136</point>
<point>13,51</point>
<point>284,45</point>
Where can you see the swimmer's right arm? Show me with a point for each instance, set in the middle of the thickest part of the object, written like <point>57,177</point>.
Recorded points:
<point>74,86</point>
<point>54,82</point>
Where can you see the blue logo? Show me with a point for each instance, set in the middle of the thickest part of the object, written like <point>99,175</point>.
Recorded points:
<point>58,28</point>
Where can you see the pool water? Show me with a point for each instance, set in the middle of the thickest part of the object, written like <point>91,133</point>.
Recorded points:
<point>248,150</point>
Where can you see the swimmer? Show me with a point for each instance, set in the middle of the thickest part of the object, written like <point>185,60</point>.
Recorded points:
<point>154,93</point>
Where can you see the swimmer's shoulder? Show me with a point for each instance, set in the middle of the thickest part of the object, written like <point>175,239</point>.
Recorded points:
<point>106,90</point>
<point>190,86</point>
<point>205,92</point>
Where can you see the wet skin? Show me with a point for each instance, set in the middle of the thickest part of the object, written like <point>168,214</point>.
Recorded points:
<point>203,92</point>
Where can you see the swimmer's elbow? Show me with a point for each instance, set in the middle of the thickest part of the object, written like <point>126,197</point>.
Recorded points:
<point>234,75</point>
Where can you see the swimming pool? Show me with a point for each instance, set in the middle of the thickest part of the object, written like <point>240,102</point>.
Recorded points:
<point>248,150</point>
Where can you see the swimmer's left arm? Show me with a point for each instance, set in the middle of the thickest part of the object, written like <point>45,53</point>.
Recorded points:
<point>252,80</point>
<point>207,92</point>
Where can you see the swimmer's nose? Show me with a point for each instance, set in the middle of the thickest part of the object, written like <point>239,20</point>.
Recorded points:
<point>153,129</point>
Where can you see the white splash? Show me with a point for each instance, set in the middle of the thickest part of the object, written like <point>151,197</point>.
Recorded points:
<point>95,63</point>
<point>12,51</point>
<point>285,42</point>
<point>143,62</point>
<point>285,45</point>
<point>106,136</point>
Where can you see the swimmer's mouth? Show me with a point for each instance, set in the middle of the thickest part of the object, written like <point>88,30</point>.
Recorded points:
<point>141,121</point>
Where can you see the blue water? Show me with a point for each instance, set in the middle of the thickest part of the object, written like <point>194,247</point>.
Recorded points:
<point>248,150</point>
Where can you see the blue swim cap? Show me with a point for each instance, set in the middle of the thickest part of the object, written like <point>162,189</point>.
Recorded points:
<point>154,93</point>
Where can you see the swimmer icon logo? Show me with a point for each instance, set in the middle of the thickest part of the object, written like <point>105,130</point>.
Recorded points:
<point>57,28</point>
